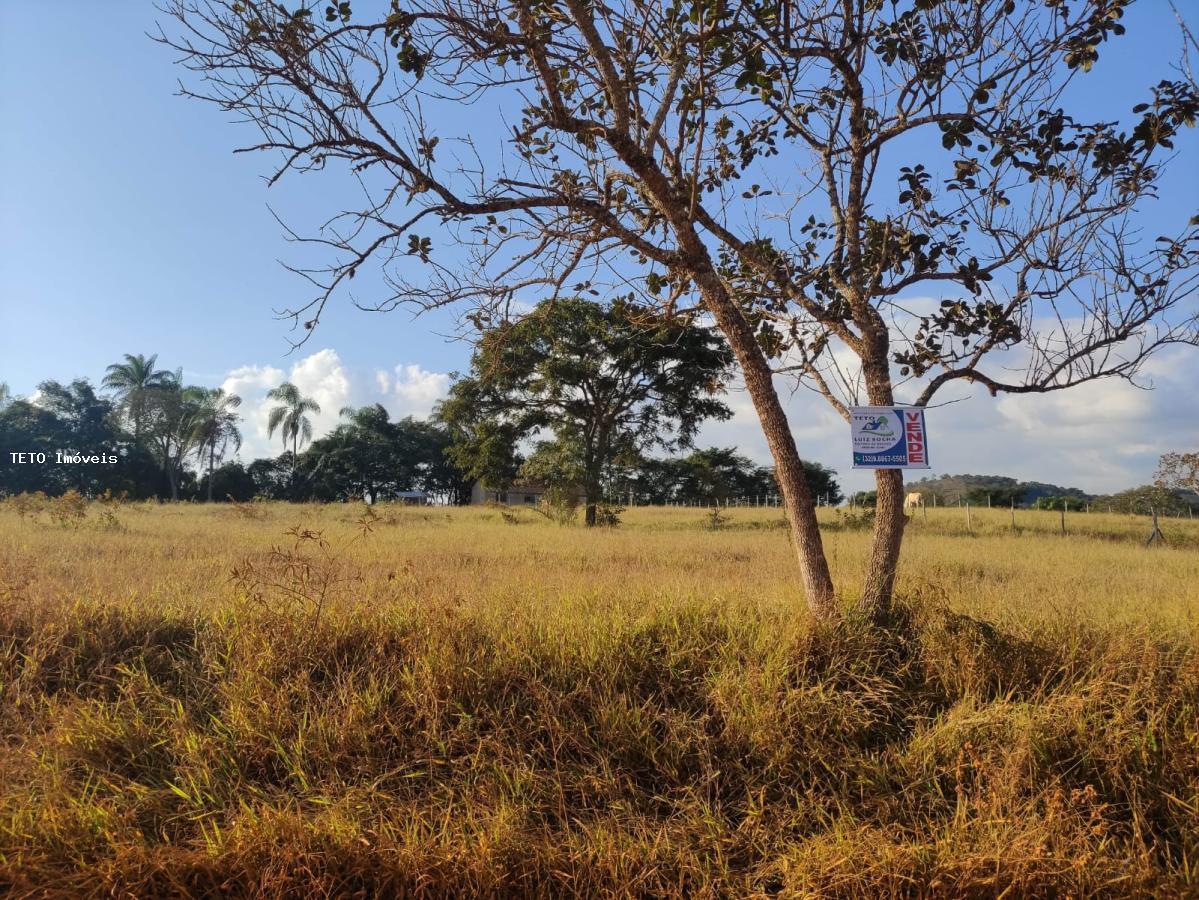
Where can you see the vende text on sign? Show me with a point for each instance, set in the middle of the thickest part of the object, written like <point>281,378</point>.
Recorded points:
<point>888,437</point>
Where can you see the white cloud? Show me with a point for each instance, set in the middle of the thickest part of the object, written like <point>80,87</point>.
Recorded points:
<point>251,384</point>
<point>417,389</point>
<point>322,376</point>
<point>251,378</point>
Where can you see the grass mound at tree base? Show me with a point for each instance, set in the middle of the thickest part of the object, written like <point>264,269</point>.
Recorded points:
<point>691,749</point>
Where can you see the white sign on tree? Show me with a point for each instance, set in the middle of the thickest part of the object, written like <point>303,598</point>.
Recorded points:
<point>888,437</point>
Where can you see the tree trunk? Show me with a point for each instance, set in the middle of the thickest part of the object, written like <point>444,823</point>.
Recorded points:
<point>592,493</point>
<point>889,523</point>
<point>793,483</point>
<point>211,463</point>
<point>759,381</point>
<point>889,517</point>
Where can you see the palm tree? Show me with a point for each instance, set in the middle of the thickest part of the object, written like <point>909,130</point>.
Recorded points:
<point>290,414</point>
<point>133,380</point>
<point>215,428</point>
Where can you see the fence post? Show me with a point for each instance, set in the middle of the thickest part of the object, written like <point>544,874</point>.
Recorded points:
<point>1013,513</point>
<point>1065,503</point>
<point>969,527</point>
<point>1156,534</point>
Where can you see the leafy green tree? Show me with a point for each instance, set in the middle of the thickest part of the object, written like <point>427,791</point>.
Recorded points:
<point>867,499</point>
<point>72,419</point>
<point>652,480</point>
<point>26,427</point>
<point>606,382</point>
<point>272,477</point>
<point>230,481</point>
<point>133,381</point>
<point>172,411</point>
<point>716,474</point>
<point>85,425</point>
<point>1000,495</point>
<point>290,417</point>
<point>215,423</point>
<point>483,445</point>
<point>797,170</point>
<point>437,473</point>
<point>86,415</point>
<point>823,481</point>
<point>1057,503</point>
<point>369,455</point>
<point>360,458</point>
<point>1145,499</point>
<point>558,465</point>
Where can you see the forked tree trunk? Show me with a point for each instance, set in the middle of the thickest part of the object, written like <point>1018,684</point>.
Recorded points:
<point>793,483</point>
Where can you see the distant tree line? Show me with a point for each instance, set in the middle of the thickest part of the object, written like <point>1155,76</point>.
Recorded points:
<point>588,421</point>
<point>714,476</point>
<point>156,436</point>
<point>1172,492</point>
<point>997,490</point>
<point>366,456</point>
<point>578,418</point>
<point>161,438</point>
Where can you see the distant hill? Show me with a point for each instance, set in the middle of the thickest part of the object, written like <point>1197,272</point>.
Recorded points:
<point>950,489</point>
<point>1034,490</point>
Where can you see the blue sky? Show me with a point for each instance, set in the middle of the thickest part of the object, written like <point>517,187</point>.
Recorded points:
<point>128,225</point>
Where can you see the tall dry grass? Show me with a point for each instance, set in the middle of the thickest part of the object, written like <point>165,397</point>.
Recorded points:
<point>489,709</point>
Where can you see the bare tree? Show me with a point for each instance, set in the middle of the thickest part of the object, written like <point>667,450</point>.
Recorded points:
<point>1190,48</point>
<point>1178,472</point>
<point>799,170</point>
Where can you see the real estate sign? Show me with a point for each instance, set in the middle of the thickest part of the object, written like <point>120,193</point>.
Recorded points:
<point>888,437</point>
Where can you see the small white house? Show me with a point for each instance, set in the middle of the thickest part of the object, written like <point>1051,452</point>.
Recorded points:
<point>522,493</point>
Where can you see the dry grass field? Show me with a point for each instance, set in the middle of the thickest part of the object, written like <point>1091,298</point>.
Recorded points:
<point>459,702</point>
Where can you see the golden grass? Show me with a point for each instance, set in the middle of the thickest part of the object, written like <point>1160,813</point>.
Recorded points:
<point>486,708</point>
